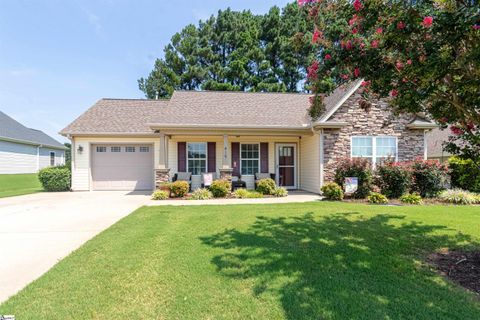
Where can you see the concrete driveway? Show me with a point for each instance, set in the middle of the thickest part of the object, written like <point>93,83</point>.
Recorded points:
<point>38,230</point>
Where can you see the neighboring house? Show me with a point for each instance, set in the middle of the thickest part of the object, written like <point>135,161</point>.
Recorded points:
<point>136,144</point>
<point>25,150</point>
<point>435,140</point>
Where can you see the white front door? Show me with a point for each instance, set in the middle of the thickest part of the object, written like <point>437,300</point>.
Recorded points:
<point>286,174</point>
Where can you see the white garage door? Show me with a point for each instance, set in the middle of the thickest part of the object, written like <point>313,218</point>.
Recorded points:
<point>122,167</point>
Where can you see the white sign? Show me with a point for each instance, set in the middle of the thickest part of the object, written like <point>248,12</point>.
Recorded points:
<point>207,179</point>
<point>351,185</point>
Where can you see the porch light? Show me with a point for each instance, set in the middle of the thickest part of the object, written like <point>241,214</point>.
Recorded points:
<point>80,149</point>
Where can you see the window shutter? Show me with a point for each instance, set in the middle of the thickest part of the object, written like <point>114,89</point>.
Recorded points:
<point>182,156</point>
<point>236,158</point>
<point>264,157</point>
<point>212,162</point>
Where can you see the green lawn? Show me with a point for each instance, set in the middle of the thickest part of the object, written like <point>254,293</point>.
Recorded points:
<point>288,261</point>
<point>18,184</point>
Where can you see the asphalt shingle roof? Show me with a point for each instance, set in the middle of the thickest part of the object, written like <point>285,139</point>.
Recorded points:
<point>12,129</point>
<point>200,109</point>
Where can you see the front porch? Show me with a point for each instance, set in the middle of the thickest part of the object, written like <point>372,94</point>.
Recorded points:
<point>242,155</point>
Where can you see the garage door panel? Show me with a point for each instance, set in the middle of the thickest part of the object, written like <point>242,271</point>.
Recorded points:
<point>122,170</point>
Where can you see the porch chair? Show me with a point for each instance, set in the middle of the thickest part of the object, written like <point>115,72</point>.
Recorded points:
<point>259,176</point>
<point>183,176</point>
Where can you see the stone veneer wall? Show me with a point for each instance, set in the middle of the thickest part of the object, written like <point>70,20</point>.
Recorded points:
<point>378,121</point>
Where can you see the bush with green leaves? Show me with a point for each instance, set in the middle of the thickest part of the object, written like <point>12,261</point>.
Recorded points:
<point>280,192</point>
<point>356,167</point>
<point>458,196</point>
<point>393,179</point>
<point>246,194</point>
<point>220,188</point>
<point>464,174</point>
<point>201,194</point>
<point>160,195</point>
<point>55,178</point>
<point>332,191</point>
<point>266,186</point>
<point>377,198</point>
<point>411,198</point>
<point>429,177</point>
<point>179,188</point>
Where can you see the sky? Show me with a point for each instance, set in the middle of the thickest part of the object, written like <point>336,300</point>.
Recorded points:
<point>58,57</point>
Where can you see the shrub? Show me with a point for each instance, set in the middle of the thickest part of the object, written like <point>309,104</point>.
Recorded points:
<point>220,188</point>
<point>280,192</point>
<point>55,178</point>
<point>246,194</point>
<point>411,198</point>
<point>464,174</point>
<point>266,186</point>
<point>332,191</point>
<point>160,195</point>
<point>428,177</point>
<point>377,198</point>
<point>356,167</point>
<point>458,196</point>
<point>201,194</point>
<point>179,188</point>
<point>393,179</point>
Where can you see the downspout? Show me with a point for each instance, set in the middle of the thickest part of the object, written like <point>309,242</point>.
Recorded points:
<point>425,145</point>
<point>321,157</point>
<point>38,157</point>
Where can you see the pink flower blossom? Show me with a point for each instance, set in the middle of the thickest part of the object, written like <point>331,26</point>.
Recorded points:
<point>399,65</point>
<point>427,22</point>
<point>312,70</point>
<point>409,61</point>
<point>365,83</point>
<point>356,72</point>
<point>456,130</point>
<point>316,35</point>
<point>394,93</point>
<point>375,44</point>
<point>379,30</point>
<point>344,76</point>
<point>354,31</point>
<point>328,57</point>
<point>349,45</point>
<point>357,5</point>
<point>401,25</point>
<point>353,20</point>
<point>476,27</point>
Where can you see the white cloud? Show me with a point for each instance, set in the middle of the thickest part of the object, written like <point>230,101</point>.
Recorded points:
<point>93,20</point>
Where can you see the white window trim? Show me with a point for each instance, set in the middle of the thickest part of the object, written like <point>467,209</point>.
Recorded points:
<point>374,147</point>
<point>206,158</point>
<point>97,148</point>
<point>259,156</point>
<point>145,148</point>
<point>119,149</point>
<point>134,149</point>
<point>54,156</point>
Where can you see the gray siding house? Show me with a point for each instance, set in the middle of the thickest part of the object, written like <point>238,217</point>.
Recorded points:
<point>25,150</point>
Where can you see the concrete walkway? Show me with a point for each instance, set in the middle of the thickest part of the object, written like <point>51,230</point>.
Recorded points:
<point>38,230</point>
<point>294,196</point>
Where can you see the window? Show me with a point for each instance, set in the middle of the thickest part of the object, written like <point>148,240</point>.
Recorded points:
<point>144,149</point>
<point>249,158</point>
<point>115,149</point>
<point>52,159</point>
<point>129,149</point>
<point>375,149</point>
<point>196,158</point>
<point>101,149</point>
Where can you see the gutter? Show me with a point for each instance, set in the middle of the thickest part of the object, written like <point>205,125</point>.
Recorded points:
<point>31,143</point>
<point>223,127</point>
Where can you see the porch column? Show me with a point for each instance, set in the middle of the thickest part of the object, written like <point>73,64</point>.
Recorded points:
<point>225,164</point>
<point>162,161</point>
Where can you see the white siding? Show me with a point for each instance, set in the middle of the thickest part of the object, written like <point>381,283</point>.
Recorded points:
<point>81,170</point>
<point>17,158</point>
<point>22,158</point>
<point>310,163</point>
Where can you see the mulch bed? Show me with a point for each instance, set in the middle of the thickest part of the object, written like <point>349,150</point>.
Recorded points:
<point>462,267</point>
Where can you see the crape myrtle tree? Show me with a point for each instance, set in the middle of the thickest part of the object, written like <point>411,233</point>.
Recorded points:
<point>236,51</point>
<point>424,56</point>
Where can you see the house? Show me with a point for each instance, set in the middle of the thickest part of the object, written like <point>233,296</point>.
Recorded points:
<point>121,144</point>
<point>25,150</point>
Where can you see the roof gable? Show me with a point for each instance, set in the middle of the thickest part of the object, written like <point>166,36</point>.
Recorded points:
<point>14,130</point>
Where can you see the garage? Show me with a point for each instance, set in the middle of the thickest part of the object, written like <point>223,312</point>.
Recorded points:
<point>122,167</point>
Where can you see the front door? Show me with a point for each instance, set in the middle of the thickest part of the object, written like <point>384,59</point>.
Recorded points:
<point>286,165</point>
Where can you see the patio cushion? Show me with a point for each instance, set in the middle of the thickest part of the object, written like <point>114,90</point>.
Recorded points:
<point>260,176</point>
<point>184,176</point>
